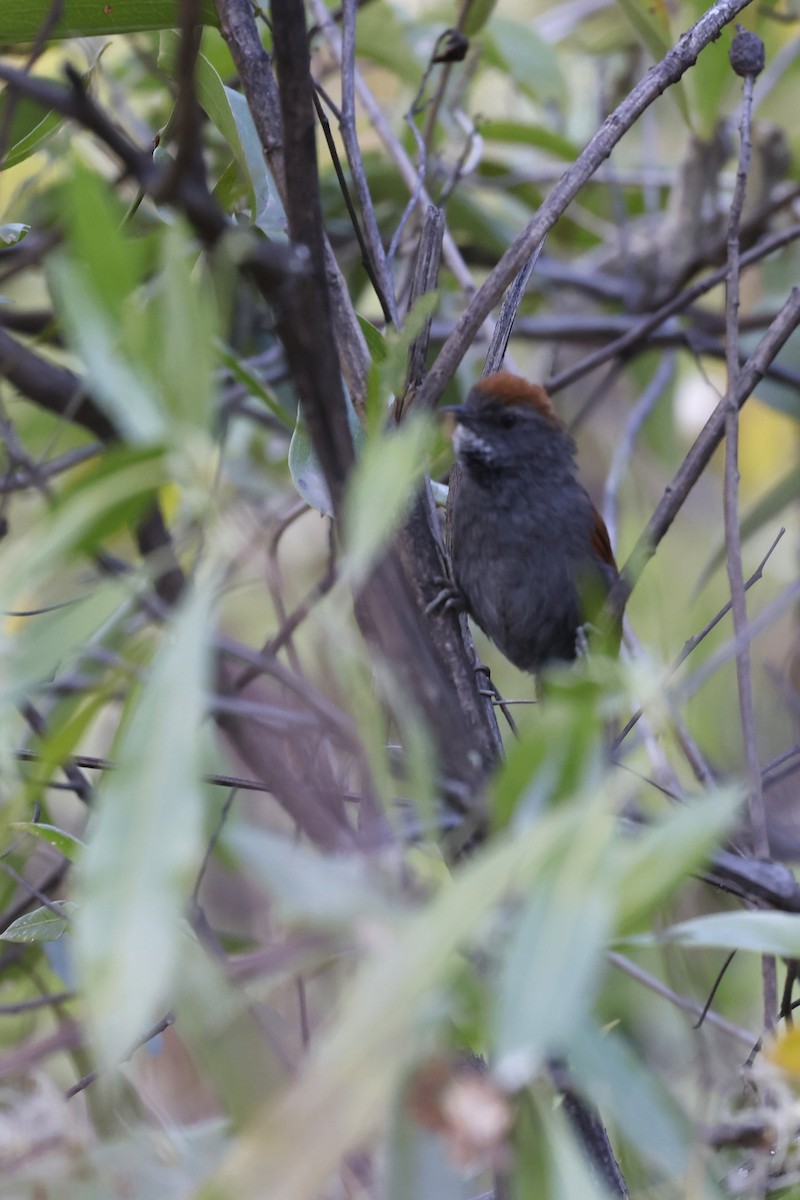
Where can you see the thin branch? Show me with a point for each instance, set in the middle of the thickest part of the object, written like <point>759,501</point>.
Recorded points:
<point>410,176</point>
<point>691,643</point>
<point>752,630</point>
<point>704,446</point>
<point>347,126</point>
<point>238,28</point>
<point>496,353</point>
<point>655,82</point>
<point>367,260</point>
<point>691,1006</point>
<point>640,331</point>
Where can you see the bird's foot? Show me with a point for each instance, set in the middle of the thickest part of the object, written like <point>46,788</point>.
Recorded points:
<point>449,598</point>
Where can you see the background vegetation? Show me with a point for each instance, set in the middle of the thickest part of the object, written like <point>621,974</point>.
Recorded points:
<point>286,912</point>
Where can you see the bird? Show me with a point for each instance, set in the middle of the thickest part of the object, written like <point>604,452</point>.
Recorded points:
<point>531,558</point>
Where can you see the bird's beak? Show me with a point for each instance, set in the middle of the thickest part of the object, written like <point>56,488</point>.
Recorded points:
<point>457,411</point>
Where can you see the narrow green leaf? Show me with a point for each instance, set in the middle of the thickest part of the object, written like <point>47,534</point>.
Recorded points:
<point>109,495</point>
<point>129,398</point>
<point>478,14</point>
<point>627,1093</point>
<point>417,1163</point>
<point>146,840</point>
<point>377,1030</point>
<point>382,487</point>
<point>550,974</point>
<point>761,932</point>
<point>657,859</point>
<point>515,47</point>
<point>308,887</point>
<point>230,112</point>
<point>41,925</point>
<point>59,839</point>
<point>21,20</point>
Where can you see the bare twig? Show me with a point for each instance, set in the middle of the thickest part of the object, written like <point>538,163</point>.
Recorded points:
<point>691,643</point>
<point>655,82</point>
<point>394,147</point>
<point>347,126</point>
<point>238,27</point>
<point>704,446</point>
<point>640,331</point>
<point>508,315</point>
<point>691,1006</point>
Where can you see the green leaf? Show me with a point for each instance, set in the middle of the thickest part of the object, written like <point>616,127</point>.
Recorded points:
<point>381,489</point>
<point>478,13</point>
<point>417,1163</point>
<point>128,397</point>
<point>41,925</point>
<point>21,20</point>
<point>110,495</point>
<point>378,1028</point>
<point>230,112</point>
<point>383,38</point>
<point>308,888</point>
<point>146,840</point>
<point>376,342</point>
<point>658,858</point>
<point>625,1092</point>
<point>761,932</point>
<point>552,964</point>
<point>31,125</point>
<point>59,839</point>
<point>521,133</point>
<point>513,46</point>
<point>249,379</point>
<point>304,467</point>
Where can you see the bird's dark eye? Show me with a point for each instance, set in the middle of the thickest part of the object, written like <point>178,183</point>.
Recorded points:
<point>508,420</point>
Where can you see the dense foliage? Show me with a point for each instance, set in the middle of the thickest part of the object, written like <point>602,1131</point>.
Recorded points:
<point>294,903</point>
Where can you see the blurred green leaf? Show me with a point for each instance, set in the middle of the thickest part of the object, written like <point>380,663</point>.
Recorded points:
<point>377,1028</point>
<point>146,839</point>
<point>655,859</point>
<point>551,966</point>
<point>110,494</point>
<point>417,1163</point>
<point>382,38</point>
<point>59,839</point>
<point>625,1091</point>
<point>514,46</point>
<point>523,133</point>
<point>129,398</point>
<point>41,925</point>
<point>762,932</point>
<point>22,20</point>
<point>478,13</point>
<point>309,888</point>
<point>381,489</point>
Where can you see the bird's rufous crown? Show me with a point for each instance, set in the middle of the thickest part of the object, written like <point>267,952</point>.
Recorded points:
<point>505,388</point>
